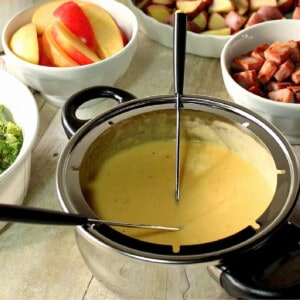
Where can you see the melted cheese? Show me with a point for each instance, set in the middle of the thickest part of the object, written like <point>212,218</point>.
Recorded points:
<point>220,192</point>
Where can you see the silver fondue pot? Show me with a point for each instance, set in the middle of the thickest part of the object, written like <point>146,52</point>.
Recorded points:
<point>137,269</point>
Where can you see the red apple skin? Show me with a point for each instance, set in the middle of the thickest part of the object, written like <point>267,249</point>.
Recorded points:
<point>72,16</point>
<point>107,32</point>
<point>124,37</point>
<point>53,51</point>
<point>72,46</point>
<point>43,58</point>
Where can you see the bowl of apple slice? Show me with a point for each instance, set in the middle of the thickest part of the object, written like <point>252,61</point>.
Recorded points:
<point>60,47</point>
<point>210,22</point>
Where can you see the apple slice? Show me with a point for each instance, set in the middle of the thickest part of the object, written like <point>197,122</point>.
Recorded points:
<point>158,12</point>
<point>43,15</point>
<point>124,38</point>
<point>72,16</point>
<point>110,38</point>
<point>52,50</point>
<point>43,58</point>
<point>216,21</point>
<point>24,43</point>
<point>72,45</point>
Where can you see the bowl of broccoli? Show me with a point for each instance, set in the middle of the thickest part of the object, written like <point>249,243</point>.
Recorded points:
<point>19,124</point>
<point>11,139</point>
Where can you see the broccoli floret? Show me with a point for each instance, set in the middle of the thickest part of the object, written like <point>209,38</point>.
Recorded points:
<point>3,119</point>
<point>11,140</point>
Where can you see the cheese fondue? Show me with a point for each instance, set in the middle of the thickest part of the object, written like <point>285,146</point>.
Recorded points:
<point>220,192</point>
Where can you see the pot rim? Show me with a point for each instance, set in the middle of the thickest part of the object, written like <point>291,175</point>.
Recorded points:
<point>271,137</point>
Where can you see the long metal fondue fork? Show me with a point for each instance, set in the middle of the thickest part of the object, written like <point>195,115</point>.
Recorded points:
<point>18,213</point>
<point>179,39</point>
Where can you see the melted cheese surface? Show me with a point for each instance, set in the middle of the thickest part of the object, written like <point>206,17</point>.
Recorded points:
<point>220,192</point>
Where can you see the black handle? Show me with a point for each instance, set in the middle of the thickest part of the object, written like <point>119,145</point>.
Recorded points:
<point>244,276</point>
<point>179,51</point>
<point>70,121</point>
<point>15,213</point>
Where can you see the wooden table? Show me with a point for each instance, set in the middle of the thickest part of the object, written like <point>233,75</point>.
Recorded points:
<point>43,262</point>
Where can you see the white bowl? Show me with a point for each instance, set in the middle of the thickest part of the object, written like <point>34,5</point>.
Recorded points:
<point>15,96</point>
<point>58,84</point>
<point>285,116</point>
<point>10,8</point>
<point>199,44</point>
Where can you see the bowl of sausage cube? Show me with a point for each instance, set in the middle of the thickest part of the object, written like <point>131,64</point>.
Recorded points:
<point>261,71</point>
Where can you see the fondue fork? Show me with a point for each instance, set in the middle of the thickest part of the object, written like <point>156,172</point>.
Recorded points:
<point>18,213</point>
<point>179,40</point>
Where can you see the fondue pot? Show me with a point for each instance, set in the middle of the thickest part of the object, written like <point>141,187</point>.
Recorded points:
<point>137,269</point>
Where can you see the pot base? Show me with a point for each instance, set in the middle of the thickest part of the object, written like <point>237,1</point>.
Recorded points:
<point>122,275</point>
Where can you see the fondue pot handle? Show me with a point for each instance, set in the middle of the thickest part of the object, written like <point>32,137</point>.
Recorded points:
<point>70,121</point>
<point>244,276</point>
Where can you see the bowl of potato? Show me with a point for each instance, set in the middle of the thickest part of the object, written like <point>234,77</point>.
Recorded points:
<point>210,23</point>
<point>60,47</point>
